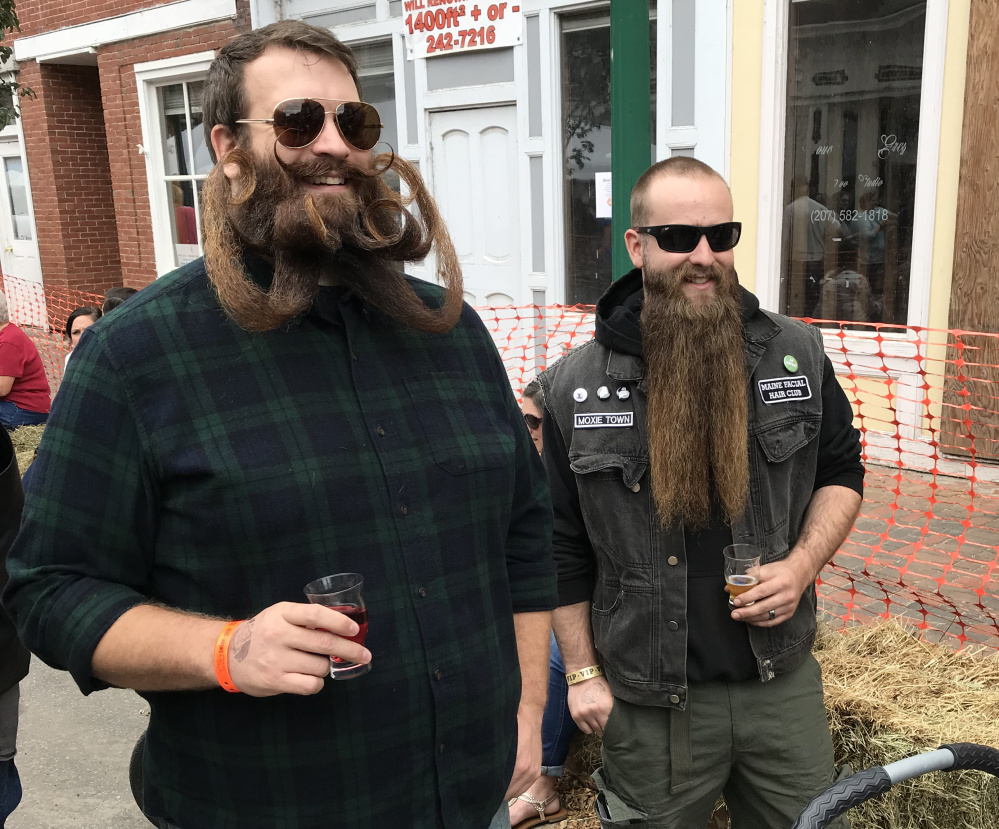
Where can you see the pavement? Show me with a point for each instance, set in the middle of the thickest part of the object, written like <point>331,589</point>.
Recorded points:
<point>924,548</point>
<point>73,753</point>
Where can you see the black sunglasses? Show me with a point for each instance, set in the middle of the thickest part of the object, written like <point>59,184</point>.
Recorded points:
<point>299,121</point>
<point>684,238</point>
<point>532,421</point>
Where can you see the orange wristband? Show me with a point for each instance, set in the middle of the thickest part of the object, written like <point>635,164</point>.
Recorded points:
<point>222,656</point>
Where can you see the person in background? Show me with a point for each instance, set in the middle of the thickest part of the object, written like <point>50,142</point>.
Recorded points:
<point>692,421</point>
<point>115,297</point>
<point>14,656</point>
<point>78,321</point>
<point>289,407</point>
<point>25,395</point>
<point>539,805</point>
<point>807,226</point>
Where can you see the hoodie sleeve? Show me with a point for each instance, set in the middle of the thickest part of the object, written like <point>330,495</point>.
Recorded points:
<point>570,542</point>
<point>839,461</point>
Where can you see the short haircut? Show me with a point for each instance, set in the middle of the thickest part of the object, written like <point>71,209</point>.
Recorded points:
<point>224,99</point>
<point>679,165</point>
<point>91,311</point>
<point>532,391</point>
<point>115,297</point>
<point>4,310</point>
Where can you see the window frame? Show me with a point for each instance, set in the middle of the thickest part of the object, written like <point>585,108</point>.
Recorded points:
<point>149,77</point>
<point>852,352</point>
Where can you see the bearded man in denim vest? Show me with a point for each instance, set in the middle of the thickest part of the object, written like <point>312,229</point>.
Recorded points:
<point>694,420</point>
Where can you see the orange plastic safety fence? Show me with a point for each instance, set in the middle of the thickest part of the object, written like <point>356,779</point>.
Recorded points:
<point>926,544</point>
<point>927,407</point>
<point>42,315</point>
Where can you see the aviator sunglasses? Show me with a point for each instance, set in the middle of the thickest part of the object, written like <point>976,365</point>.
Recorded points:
<point>299,121</point>
<point>532,421</point>
<point>684,238</point>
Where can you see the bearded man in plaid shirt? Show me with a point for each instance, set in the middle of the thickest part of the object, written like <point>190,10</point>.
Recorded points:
<point>289,407</point>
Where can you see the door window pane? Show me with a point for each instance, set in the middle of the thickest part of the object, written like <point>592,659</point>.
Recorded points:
<point>586,148</point>
<point>854,73</point>
<point>18,198</point>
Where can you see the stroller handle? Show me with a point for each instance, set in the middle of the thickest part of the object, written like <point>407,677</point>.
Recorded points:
<point>854,790</point>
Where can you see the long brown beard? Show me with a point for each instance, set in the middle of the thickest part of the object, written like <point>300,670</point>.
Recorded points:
<point>356,238</point>
<point>696,376</point>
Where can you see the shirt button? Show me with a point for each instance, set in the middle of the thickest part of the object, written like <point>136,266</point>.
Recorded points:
<point>672,561</point>
<point>422,592</point>
<point>440,748</point>
<point>404,509</point>
<point>672,625</point>
<point>438,674</point>
<point>380,431</point>
<point>674,699</point>
<point>636,488</point>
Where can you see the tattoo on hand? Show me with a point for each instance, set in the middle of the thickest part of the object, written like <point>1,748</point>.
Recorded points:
<point>241,641</point>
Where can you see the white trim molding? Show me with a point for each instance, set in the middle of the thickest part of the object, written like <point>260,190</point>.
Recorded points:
<point>149,76</point>
<point>63,44</point>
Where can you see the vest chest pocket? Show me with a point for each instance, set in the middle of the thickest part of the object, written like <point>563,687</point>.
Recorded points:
<point>615,499</point>
<point>785,467</point>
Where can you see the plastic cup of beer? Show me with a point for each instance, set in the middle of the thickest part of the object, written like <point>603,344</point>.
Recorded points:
<point>342,592</point>
<point>742,570</point>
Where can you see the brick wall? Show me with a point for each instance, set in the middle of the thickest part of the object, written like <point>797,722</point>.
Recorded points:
<point>70,177</point>
<point>38,16</point>
<point>124,131</point>
<point>88,180</point>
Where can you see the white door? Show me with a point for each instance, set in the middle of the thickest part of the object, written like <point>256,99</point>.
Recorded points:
<point>19,257</point>
<point>475,183</point>
<point>18,247</point>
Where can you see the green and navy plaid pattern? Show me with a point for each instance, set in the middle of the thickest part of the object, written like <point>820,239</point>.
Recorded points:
<point>191,463</point>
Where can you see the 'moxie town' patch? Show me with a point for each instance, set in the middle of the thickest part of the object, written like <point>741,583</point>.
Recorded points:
<point>604,420</point>
<point>784,389</point>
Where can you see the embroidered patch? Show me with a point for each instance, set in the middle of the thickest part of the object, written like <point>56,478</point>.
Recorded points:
<point>605,420</point>
<point>785,389</point>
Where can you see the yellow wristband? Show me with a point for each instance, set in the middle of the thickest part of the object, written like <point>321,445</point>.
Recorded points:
<point>583,673</point>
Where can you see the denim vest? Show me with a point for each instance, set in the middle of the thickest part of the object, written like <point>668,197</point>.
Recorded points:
<point>639,605</point>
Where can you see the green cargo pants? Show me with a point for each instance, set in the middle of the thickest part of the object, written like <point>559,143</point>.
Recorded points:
<point>765,746</point>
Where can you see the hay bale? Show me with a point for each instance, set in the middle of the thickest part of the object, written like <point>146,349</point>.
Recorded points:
<point>889,695</point>
<point>25,440</point>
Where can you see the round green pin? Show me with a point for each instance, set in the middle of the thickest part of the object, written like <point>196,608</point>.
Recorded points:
<point>790,363</point>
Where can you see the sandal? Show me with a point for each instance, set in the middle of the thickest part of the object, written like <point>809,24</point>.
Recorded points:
<point>542,819</point>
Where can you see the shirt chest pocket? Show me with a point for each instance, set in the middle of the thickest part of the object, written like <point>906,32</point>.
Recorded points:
<point>463,423</point>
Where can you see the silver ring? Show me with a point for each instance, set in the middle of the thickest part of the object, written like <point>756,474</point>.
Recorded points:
<point>772,614</point>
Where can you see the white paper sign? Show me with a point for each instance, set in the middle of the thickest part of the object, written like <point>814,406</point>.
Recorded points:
<point>446,27</point>
<point>603,186</point>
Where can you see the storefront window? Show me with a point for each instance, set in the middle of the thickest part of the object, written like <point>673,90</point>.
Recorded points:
<point>853,102</point>
<point>586,147</point>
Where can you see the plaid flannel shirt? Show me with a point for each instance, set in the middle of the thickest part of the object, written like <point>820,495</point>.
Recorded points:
<point>192,463</point>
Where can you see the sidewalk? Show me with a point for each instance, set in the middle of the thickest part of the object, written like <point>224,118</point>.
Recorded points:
<point>73,753</point>
<point>924,548</point>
